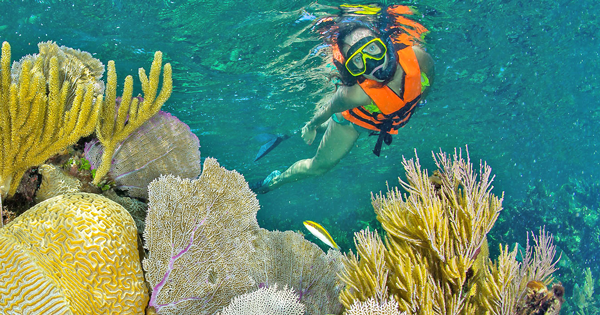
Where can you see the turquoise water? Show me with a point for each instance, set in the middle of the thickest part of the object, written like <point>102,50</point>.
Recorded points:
<point>517,82</point>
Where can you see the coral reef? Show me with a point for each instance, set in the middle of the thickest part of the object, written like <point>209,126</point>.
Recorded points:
<point>199,236</point>
<point>71,254</point>
<point>28,186</point>
<point>116,123</point>
<point>287,259</point>
<point>161,145</point>
<point>34,124</point>
<point>434,258</point>
<point>55,182</point>
<point>7,216</point>
<point>265,301</point>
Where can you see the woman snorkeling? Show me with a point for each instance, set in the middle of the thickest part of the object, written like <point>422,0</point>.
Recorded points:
<point>384,73</point>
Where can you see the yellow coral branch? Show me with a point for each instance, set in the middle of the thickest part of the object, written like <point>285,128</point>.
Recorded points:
<point>115,125</point>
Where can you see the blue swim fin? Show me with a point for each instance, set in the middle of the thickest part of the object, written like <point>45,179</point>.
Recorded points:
<point>269,146</point>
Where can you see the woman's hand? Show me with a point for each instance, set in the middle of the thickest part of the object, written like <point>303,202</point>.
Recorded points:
<point>308,134</point>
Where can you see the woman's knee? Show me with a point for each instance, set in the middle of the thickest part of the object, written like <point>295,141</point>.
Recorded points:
<point>317,168</point>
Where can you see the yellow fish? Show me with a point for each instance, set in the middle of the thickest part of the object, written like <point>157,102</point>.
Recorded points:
<point>317,230</point>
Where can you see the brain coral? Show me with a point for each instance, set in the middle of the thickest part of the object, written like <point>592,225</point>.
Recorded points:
<point>71,254</point>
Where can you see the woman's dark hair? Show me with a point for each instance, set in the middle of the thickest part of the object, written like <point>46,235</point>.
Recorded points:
<point>347,27</point>
<point>334,29</point>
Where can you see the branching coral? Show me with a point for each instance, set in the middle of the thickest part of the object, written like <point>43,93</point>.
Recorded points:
<point>572,213</point>
<point>36,123</point>
<point>116,123</point>
<point>434,257</point>
<point>71,254</point>
<point>199,235</point>
<point>506,282</point>
<point>371,269</point>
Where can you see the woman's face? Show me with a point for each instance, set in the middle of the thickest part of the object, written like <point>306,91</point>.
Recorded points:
<point>352,39</point>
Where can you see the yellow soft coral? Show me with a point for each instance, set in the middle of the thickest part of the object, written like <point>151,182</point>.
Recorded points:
<point>434,258</point>
<point>434,234</point>
<point>71,254</point>
<point>35,124</point>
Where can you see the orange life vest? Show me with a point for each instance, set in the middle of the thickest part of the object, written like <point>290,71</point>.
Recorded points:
<point>393,111</point>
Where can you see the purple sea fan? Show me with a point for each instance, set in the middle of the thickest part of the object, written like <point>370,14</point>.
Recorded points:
<point>162,145</point>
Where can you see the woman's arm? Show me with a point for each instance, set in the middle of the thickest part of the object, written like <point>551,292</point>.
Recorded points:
<point>426,65</point>
<point>346,97</point>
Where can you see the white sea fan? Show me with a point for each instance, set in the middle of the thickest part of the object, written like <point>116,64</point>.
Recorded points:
<point>199,236</point>
<point>266,301</point>
<point>372,307</point>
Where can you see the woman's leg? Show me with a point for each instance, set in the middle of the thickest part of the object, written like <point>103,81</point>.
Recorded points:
<point>323,127</point>
<point>337,141</point>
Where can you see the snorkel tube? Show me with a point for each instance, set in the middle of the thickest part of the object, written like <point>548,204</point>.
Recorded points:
<point>387,73</point>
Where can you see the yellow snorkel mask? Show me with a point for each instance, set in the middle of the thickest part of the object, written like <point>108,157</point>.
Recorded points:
<point>368,48</point>
<point>361,9</point>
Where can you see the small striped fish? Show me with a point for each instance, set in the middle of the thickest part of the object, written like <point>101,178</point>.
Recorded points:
<point>317,230</point>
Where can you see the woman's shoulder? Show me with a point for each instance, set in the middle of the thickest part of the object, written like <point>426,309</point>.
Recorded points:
<point>425,60</point>
<point>353,96</point>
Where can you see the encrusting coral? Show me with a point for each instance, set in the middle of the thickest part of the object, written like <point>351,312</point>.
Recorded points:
<point>117,122</point>
<point>71,254</point>
<point>162,145</point>
<point>288,259</point>
<point>36,123</point>
<point>539,300</point>
<point>199,236</point>
<point>433,259</point>
<point>266,301</point>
